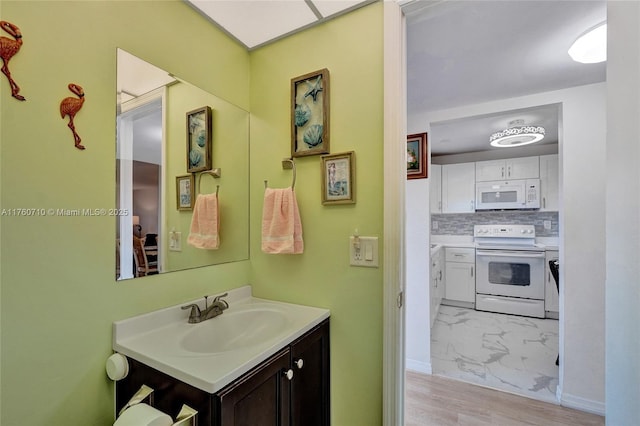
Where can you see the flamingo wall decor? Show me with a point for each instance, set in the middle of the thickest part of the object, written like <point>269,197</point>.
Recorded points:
<point>8,48</point>
<point>70,106</point>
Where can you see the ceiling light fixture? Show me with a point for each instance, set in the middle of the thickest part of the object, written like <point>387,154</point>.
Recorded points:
<point>517,134</point>
<point>591,47</point>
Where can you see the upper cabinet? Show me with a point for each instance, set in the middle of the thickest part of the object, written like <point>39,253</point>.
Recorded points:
<point>549,182</point>
<point>435,188</point>
<point>458,188</point>
<point>513,168</point>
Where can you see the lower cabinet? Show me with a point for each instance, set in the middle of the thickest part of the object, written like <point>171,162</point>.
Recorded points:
<point>460,276</point>
<point>437,283</point>
<point>290,388</point>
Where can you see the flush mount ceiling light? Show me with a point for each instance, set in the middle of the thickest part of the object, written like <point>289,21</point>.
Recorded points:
<point>517,134</point>
<point>591,47</point>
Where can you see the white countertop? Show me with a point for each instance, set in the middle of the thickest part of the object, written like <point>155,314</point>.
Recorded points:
<point>152,339</point>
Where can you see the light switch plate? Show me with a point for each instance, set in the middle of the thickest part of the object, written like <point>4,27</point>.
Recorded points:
<point>175,241</point>
<point>364,255</point>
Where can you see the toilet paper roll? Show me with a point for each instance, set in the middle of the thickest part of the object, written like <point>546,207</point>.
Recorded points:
<point>117,367</point>
<point>143,415</point>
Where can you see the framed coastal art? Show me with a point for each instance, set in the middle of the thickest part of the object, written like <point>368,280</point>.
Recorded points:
<point>417,156</point>
<point>338,178</point>
<point>199,140</point>
<point>184,192</point>
<point>310,114</point>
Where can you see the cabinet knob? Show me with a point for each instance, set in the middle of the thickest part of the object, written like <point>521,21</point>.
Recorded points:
<point>288,374</point>
<point>299,363</point>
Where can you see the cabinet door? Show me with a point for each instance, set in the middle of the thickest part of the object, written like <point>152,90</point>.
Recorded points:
<point>435,188</point>
<point>260,398</point>
<point>310,384</point>
<point>549,182</point>
<point>461,282</point>
<point>523,168</point>
<point>551,298</point>
<point>490,170</point>
<point>458,188</point>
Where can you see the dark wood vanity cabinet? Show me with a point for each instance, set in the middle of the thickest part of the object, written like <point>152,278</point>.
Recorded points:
<point>291,388</point>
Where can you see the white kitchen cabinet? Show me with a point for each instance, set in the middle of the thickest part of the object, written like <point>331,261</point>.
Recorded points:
<point>512,168</point>
<point>551,298</point>
<point>549,182</point>
<point>437,282</point>
<point>460,275</point>
<point>458,188</point>
<point>435,188</point>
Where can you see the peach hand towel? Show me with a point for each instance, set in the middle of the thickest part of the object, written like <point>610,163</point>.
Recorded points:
<point>281,226</point>
<point>205,223</point>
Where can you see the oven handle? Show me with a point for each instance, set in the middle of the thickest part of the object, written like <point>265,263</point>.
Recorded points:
<point>508,253</point>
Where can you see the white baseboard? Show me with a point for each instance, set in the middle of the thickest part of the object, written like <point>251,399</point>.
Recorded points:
<point>583,404</point>
<point>418,366</point>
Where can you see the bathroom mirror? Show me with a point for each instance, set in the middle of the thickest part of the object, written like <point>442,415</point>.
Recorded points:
<point>155,193</point>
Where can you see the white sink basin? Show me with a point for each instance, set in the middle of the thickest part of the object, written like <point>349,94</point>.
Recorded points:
<point>211,354</point>
<point>234,330</point>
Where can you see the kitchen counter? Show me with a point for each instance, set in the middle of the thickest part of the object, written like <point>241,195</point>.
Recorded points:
<point>157,339</point>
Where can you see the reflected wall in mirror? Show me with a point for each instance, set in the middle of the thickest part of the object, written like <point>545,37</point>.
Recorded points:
<point>151,232</point>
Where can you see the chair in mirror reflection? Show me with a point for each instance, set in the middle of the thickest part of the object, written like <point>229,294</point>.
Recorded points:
<point>145,257</point>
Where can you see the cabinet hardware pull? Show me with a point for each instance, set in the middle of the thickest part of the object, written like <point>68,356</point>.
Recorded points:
<point>502,171</point>
<point>299,363</point>
<point>288,374</point>
<point>544,202</point>
<point>472,271</point>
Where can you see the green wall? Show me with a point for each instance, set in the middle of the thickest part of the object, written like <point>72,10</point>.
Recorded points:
<point>351,47</point>
<point>58,293</point>
<point>59,296</point>
<point>230,150</point>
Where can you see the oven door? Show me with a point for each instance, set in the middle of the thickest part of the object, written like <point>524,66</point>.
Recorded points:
<point>512,273</point>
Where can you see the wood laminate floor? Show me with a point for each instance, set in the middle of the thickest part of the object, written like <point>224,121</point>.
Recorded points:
<point>439,401</point>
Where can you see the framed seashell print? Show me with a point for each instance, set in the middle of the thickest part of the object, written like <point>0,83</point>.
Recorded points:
<point>417,156</point>
<point>199,140</point>
<point>310,114</point>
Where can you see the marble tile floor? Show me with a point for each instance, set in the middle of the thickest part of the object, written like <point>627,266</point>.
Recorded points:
<point>504,352</point>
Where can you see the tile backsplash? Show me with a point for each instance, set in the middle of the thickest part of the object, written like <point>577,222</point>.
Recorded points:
<point>462,223</point>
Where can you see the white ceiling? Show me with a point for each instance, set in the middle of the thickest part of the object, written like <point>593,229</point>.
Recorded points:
<point>469,52</point>
<point>257,22</point>
<point>459,52</point>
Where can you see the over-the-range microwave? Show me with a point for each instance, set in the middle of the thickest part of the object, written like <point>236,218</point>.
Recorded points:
<point>508,194</point>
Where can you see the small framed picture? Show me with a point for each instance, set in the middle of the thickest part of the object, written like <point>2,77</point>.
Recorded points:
<point>338,178</point>
<point>310,114</point>
<point>199,140</point>
<point>184,192</point>
<point>417,156</point>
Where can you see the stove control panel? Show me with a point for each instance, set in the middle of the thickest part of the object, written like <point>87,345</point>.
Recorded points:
<point>504,231</point>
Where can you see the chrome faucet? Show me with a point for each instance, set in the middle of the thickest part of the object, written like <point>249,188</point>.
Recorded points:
<point>217,307</point>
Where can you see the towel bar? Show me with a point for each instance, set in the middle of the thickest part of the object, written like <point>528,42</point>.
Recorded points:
<point>287,163</point>
<point>215,173</point>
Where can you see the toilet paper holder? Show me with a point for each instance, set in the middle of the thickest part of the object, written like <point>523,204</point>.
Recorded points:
<point>186,416</point>
<point>143,393</point>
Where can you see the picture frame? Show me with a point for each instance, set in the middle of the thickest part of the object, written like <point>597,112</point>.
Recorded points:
<point>338,178</point>
<point>310,114</point>
<point>185,192</point>
<point>199,139</point>
<point>417,156</point>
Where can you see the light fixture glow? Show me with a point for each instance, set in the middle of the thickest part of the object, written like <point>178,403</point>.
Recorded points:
<point>517,134</point>
<point>591,47</point>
